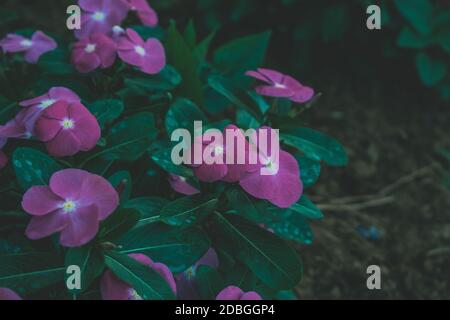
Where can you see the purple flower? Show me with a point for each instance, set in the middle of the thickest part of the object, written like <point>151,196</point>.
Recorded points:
<point>280,85</point>
<point>33,48</point>
<point>180,185</point>
<point>145,13</point>
<point>35,106</point>
<point>148,56</point>
<point>8,294</point>
<point>235,293</point>
<point>99,16</point>
<point>186,281</point>
<point>67,129</point>
<point>283,187</point>
<point>112,288</point>
<point>73,204</point>
<point>222,171</point>
<point>92,52</point>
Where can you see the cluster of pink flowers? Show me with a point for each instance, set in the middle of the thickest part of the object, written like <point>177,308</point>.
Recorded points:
<point>56,118</point>
<point>101,38</point>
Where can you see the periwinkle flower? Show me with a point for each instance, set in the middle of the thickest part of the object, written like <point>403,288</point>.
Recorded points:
<point>32,48</point>
<point>99,16</point>
<point>97,50</point>
<point>67,128</point>
<point>113,288</point>
<point>8,294</point>
<point>281,85</point>
<point>236,293</point>
<point>180,185</point>
<point>149,56</point>
<point>143,10</point>
<point>33,108</point>
<point>186,283</point>
<point>73,204</point>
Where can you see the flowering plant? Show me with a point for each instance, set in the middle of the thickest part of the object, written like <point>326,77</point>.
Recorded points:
<point>87,180</point>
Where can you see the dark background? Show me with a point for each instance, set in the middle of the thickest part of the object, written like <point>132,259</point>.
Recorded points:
<point>373,102</point>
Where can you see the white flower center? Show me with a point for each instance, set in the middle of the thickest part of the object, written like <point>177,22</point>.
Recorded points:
<point>118,30</point>
<point>26,43</point>
<point>46,103</point>
<point>67,124</point>
<point>90,48</point>
<point>98,16</point>
<point>183,179</point>
<point>69,206</point>
<point>139,50</point>
<point>134,295</point>
<point>280,86</point>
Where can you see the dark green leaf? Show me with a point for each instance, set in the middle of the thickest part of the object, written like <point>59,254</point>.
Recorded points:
<point>208,282</point>
<point>118,223</point>
<point>26,272</point>
<point>417,12</point>
<point>431,71</point>
<point>33,167</point>
<point>89,260</point>
<point>106,111</point>
<point>163,159</point>
<point>187,210</point>
<point>148,284</point>
<point>182,114</point>
<point>167,80</point>
<point>309,170</point>
<point>166,244</point>
<point>270,258</point>
<point>315,145</point>
<point>149,208</point>
<point>122,182</point>
<point>146,32</point>
<point>306,208</point>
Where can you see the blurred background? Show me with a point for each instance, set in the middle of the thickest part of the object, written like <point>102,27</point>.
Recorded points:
<point>385,96</point>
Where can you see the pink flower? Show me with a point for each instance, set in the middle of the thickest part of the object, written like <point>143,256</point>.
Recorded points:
<point>112,288</point>
<point>8,294</point>
<point>73,204</point>
<point>33,48</point>
<point>280,85</point>
<point>67,129</point>
<point>186,283</point>
<point>145,13</point>
<point>180,185</point>
<point>98,50</point>
<point>148,56</point>
<point>231,172</point>
<point>37,105</point>
<point>235,293</point>
<point>99,16</point>
<point>284,187</point>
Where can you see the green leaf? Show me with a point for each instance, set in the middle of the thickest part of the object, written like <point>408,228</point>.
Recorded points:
<point>146,32</point>
<point>118,223</point>
<point>56,62</point>
<point>106,111</point>
<point>129,139</point>
<point>208,282</point>
<point>410,39</point>
<point>90,261</point>
<point>149,208</point>
<point>167,80</point>
<point>335,22</point>
<point>241,55</point>
<point>431,71</point>
<point>315,145</point>
<point>306,208</point>
<point>122,179</point>
<point>309,170</point>
<point>148,284</point>
<point>181,56</point>
<point>202,49</point>
<point>190,35</point>
<point>166,244</point>
<point>33,167</point>
<point>293,227</point>
<point>163,159</point>
<point>270,258</point>
<point>27,272</point>
<point>244,205</point>
<point>187,210</point>
<point>236,95</point>
<point>417,12</point>
<point>182,114</point>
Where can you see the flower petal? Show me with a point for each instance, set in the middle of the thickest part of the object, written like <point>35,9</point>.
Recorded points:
<point>43,226</point>
<point>40,200</point>
<point>65,144</point>
<point>82,227</point>
<point>68,183</point>
<point>230,293</point>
